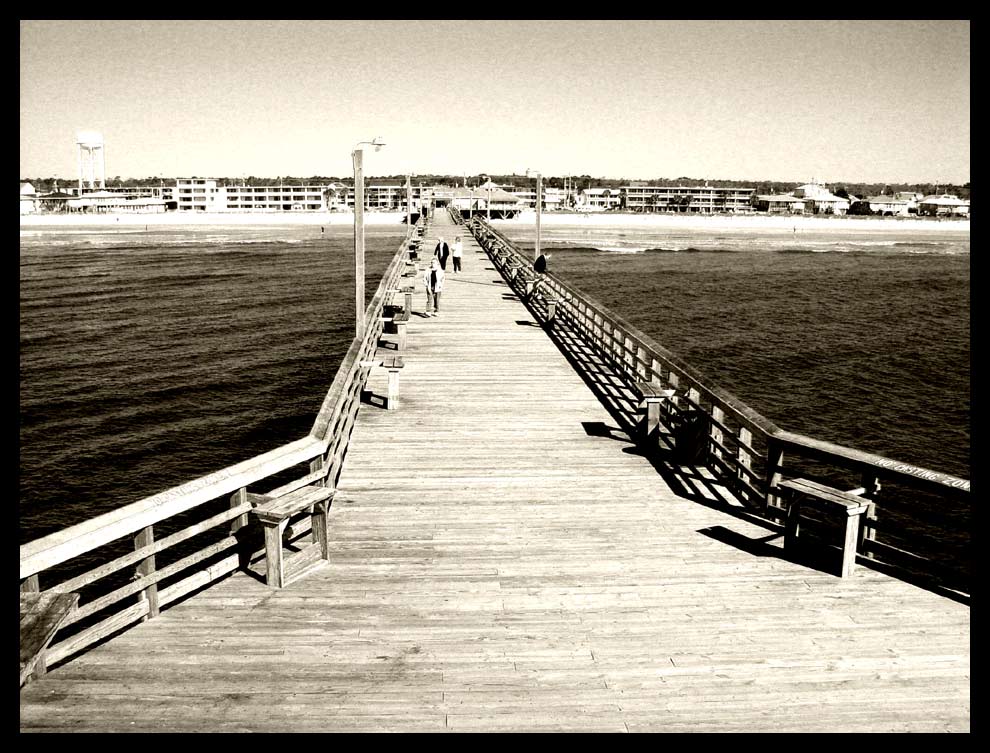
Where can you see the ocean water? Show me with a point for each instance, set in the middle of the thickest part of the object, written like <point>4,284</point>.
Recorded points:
<point>859,338</point>
<point>148,358</point>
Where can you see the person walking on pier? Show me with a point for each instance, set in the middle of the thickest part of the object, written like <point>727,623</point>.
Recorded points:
<point>442,251</point>
<point>433,281</point>
<point>456,252</point>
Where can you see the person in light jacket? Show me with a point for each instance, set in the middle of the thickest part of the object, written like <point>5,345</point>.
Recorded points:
<point>442,251</point>
<point>456,252</point>
<point>433,281</point>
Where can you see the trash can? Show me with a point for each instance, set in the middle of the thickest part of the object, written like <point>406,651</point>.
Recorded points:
<point>691,438</point>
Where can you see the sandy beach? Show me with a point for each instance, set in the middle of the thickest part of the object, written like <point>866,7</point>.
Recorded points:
<point>209,219</point>
<point>718,222</point>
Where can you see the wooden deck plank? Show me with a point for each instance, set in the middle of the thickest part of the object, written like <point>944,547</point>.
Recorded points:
<point>496,566</point>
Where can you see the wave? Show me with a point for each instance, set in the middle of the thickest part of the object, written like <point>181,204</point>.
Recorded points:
<point>690,250</point>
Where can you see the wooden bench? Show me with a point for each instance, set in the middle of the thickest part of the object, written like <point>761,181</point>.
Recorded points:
<point>400,321</point>
<point>392,364</point>
<point>845,508</point>
<point>41,617</point>
<point>274,514</point>
<point>654,396</point>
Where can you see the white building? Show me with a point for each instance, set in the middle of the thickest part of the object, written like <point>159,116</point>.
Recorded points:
<point>29,199</point>
<point>599,199</point>
<point>888,205</point>
<point>819,200</point>
<point>943,205</point>
<point>703,199</point>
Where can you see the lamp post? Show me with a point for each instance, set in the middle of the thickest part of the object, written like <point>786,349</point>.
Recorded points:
<point>357,156</point>
<point>408,205</point>
<point>539,203</point>
<point>488,203</point>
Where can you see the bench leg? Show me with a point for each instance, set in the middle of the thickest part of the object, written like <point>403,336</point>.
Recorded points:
<point>652,418</point>
<point>792,525</point>
<point>849,545</point>
<point>392,400</point>
<point>275,573</point>
<point>408,296</point>
<point>551,311</point>
<point>318,518</point>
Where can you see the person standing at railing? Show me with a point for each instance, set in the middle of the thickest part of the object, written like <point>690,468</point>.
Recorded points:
<point>456,252</point>
<point>433,281</point>
<point>540,267</point>
<point>441,252</point>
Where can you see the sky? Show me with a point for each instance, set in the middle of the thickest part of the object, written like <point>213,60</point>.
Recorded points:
<point>851,101</point>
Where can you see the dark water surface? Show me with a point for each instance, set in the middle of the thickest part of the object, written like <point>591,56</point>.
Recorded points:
<point>857,338</point>
<point>150,358</point>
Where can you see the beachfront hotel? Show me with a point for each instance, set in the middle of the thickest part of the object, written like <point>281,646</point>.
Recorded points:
<point>700,199</point>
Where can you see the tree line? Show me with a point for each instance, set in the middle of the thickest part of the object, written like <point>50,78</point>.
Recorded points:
<point>575,182</point>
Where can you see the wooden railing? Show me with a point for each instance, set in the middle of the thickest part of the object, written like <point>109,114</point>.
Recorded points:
<point>919,523</point>
<point>200,525</point>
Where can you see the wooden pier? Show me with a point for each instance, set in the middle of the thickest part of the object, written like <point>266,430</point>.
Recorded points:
<point>505,556</point>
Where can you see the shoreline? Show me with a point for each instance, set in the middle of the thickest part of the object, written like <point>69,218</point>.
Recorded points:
<point>211,219</point>
<point>721,222</point>
<point>714,222</point>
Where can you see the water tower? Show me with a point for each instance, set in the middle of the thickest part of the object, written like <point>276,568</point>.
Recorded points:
<point>92,160</point>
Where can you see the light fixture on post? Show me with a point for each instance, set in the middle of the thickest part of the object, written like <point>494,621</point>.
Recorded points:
<point>488,203</point>
<point>539,202</point>
<point>409,178</point>
<point>357,158</point>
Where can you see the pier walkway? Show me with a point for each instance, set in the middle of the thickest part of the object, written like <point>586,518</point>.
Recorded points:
<point>502,557</point>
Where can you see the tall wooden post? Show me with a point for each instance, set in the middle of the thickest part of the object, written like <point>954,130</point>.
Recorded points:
<point>146,537</point>
<point>539,206</point>
<point>408,204</point>
<point>358,244</point>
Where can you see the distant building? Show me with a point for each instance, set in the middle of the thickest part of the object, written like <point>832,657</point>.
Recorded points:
<point>112,202</point>
<point>944,205</point>
<point>276,198</point>
<point>778,203</point>
<point>503,203</point>
<point>29,199</point>
<point>599,199</point>
<point>819,200</point>
<point>888,205</point>
<point>698,199</point>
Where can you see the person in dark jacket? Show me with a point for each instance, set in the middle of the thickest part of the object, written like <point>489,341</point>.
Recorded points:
<point>442,251</point>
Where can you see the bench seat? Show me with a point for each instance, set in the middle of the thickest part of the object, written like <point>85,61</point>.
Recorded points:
<point>845,508</point>
<point>274,514</point>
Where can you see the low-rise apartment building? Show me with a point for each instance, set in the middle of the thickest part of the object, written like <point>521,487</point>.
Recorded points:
<point>702,199</point>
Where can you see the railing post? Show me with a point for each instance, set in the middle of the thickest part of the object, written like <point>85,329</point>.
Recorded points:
<point>628,356</point>
<point>237,499</point>
<point>744,455</point>
<point>718,416</point>
<point>146,537</point>
<point>641,369</point>
<point>775,461</point>
<point>867,532</point>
